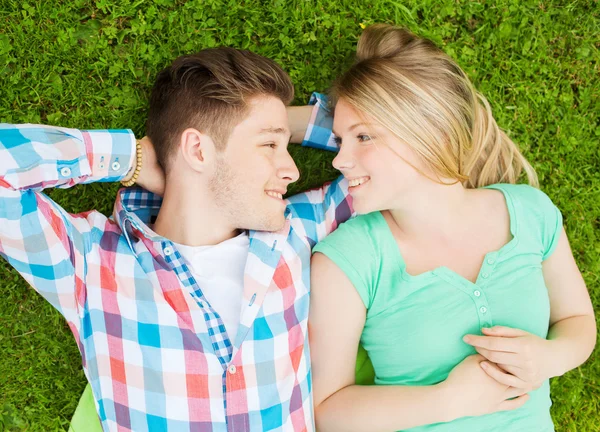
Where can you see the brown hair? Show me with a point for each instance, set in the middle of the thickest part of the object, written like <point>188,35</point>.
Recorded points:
<point>210,91</point>
<point>425,99</point>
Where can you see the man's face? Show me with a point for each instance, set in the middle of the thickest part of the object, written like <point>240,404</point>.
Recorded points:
<point>255,169</point>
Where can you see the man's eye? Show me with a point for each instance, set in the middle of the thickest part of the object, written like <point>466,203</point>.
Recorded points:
<point>363,137</point>
<point>272,145</point>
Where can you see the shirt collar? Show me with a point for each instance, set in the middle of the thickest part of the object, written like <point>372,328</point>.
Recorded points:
<point>135,210</point>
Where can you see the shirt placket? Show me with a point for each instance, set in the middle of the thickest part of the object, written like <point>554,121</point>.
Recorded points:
<point>221,344</point>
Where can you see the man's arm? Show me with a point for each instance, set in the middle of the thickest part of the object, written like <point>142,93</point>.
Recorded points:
<point>43,242</point>
<point>311,125</point>
<point>35,157</point>
<point>321,209</point>
<point>298,118</point>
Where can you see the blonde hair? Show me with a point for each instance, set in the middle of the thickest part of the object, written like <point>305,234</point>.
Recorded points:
<point>415,90</point>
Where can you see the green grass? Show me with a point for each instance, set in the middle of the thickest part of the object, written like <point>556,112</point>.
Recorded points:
<point>90,64</point>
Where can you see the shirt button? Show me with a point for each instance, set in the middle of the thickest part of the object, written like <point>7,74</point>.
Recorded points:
<point>476,293</point>
<point>483,309</point>
<point>232,369</point>
<point>485,275</point>
<point>65,172</point>
<point>115,166</point>
<point>168,250</point>
<point>490,261</point>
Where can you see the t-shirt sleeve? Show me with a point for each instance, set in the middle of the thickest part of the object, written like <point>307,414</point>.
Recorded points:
<point>350,248</point>
<point>545,215</point>
<point>552,228</point>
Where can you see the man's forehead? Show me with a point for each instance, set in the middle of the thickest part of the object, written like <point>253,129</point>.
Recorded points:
<point>267,116</point>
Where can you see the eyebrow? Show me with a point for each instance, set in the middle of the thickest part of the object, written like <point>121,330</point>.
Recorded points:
<point>352,127</point>
<point>272,130</point>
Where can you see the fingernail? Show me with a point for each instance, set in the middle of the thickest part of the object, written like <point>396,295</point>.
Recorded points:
<point>466,339</point>
<point>486,328</point>
<point>484,365</point>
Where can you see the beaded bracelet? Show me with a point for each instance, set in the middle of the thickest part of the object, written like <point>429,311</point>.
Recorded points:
<point>138,165</point>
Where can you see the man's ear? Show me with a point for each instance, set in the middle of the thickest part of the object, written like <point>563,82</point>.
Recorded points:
<point>197,149</point>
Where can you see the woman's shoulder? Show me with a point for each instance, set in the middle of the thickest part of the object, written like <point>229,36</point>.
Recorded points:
<point>527,198</point>
<point>359,229</point>
<point>537,218</point>
<point>355,239</point>
<point>353,248</point>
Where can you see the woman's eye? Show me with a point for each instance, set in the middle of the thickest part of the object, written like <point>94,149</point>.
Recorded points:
<point>364,137</point>
<point>337,140</point>
<point>272,145</point>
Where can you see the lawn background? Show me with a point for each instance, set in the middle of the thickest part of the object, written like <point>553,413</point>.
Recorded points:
<point>90,64</point>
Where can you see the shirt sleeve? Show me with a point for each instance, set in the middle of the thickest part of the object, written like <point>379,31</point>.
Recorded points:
<point>553,223</point>
<point>323,209</point>
<point>319,131</point>
<point>351,250</point>
<point>37,157</point>
<point>42,241</point>
<point>542,217</point>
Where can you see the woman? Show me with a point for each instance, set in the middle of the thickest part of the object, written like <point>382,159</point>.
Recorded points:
<point>447,258</point>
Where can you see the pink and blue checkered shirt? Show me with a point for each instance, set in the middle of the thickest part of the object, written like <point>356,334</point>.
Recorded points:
<point>154,350</point>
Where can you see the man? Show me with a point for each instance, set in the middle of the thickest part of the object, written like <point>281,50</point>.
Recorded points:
<point>190,311</point>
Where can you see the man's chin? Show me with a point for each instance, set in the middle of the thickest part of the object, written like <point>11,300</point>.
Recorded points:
<point>272,223</point>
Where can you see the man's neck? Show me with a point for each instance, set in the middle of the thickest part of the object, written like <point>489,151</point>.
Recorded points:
<point>191,218</point>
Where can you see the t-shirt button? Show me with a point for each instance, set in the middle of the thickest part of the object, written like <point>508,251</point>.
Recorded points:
<point>168,250</point>
<point>490,261</point>
<point>115,166</point>
<point>485,275</point>
<point>483,309</point>
<point>232,369</point>
<point>476,293</point>
<point>65,171</point>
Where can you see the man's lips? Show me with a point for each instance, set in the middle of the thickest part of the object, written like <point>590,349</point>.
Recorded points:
<point>275,193</point>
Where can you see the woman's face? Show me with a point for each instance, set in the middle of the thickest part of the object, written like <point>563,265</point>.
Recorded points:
<point>375,162</point>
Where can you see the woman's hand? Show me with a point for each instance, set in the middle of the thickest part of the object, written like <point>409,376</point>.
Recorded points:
<point>521,358</point>
<point>152,177</point>
<point>471,392</point>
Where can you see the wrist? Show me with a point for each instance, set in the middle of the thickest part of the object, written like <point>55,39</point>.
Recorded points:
<point>447,402</point>
<point>553,366</point>
<point>299,117</point>
<point>134,172</point>
<point>130,173</point>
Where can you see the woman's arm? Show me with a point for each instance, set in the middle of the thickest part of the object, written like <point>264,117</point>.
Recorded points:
<point>572,333</point>
<point>337,318</point>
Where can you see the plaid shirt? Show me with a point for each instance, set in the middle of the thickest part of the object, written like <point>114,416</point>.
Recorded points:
<point>156,353</point>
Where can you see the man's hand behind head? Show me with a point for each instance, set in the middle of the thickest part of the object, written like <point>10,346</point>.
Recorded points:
<point>152,176</point>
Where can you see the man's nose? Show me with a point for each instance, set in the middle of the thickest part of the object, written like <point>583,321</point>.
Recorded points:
<point>288,170</point>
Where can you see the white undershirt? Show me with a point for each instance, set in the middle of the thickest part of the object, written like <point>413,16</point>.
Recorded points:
<point>219,272</point>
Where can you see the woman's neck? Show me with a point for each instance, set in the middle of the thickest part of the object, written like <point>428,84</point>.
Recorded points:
<point>438,210</point>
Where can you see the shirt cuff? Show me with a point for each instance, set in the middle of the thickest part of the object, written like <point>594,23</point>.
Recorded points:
<point>318,133</point>
<point>110,153</point>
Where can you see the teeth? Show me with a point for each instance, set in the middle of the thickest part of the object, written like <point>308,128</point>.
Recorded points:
<point>357,181</point>
<point>275,194</point>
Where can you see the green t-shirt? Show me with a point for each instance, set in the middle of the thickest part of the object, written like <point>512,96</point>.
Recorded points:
<point>415,324</point>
